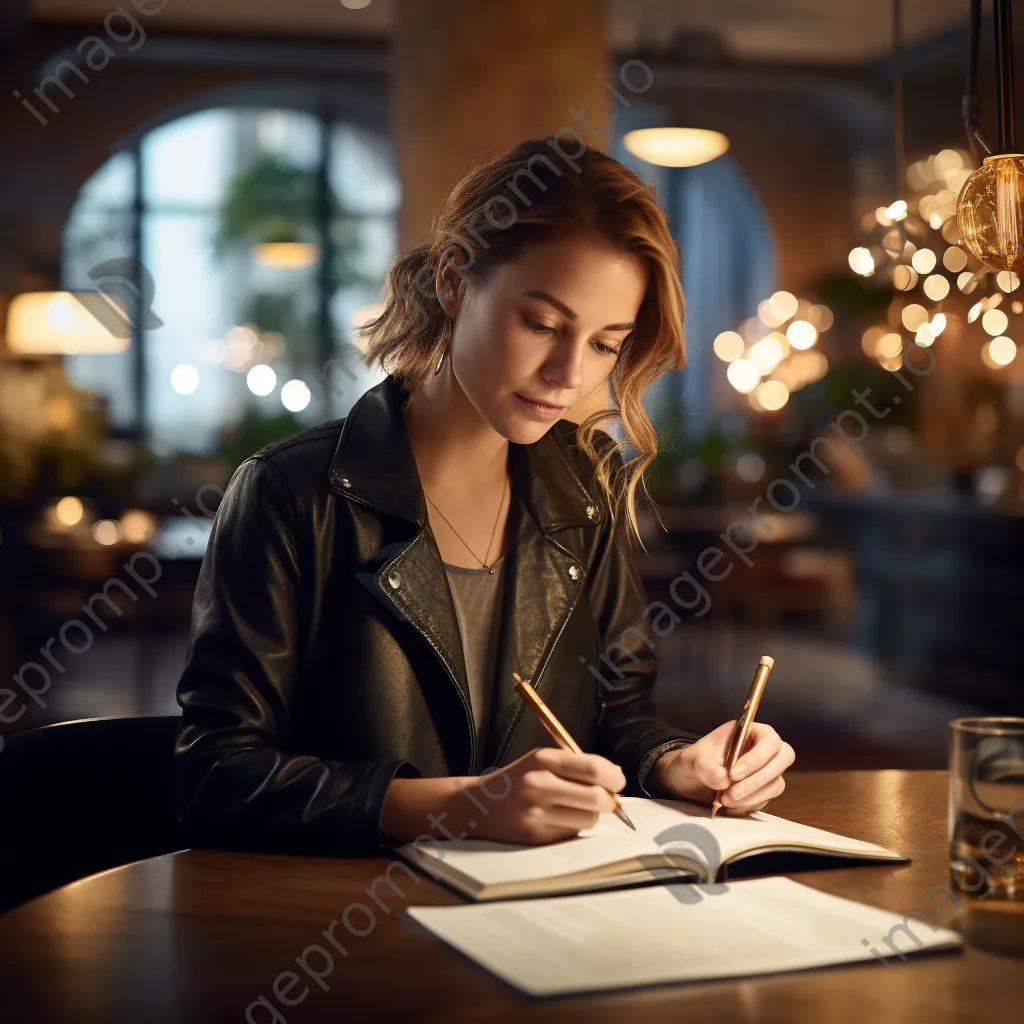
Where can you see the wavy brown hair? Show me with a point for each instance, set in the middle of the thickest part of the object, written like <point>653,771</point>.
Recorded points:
<point>529,194</point>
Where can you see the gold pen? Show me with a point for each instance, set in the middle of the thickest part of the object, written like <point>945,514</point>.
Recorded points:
<point>744,722</point>
<point>560,735</point>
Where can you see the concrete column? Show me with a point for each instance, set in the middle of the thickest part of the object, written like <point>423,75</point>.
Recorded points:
<point>471,78</point>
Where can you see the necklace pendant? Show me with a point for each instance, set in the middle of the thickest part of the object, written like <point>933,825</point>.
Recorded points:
<point>491,570</point>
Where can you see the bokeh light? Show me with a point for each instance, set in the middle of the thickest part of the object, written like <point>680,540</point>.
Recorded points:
<point>743,375</point>
<point>729,346</point>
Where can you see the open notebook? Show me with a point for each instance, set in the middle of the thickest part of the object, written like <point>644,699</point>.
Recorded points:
<point>675,841</point>
<point>676,933</point>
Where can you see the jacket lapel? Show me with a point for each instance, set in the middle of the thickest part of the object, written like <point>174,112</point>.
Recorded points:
<point>374,465</point>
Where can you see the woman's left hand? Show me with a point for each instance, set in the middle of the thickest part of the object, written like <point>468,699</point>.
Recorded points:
<point>696,772</point>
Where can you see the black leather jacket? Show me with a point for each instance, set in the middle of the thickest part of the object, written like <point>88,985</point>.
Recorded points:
<point>325,656</point>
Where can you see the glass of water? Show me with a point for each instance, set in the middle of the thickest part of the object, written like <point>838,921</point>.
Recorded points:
<point>986,806</point>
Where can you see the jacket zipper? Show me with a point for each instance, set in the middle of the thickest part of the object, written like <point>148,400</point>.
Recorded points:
<point>440,657</point>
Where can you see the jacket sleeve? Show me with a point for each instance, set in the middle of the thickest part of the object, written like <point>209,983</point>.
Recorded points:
<point>238,781</point>
<point>628,729</point>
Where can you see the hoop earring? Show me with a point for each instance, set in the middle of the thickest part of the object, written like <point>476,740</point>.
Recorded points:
<point>444,352</point>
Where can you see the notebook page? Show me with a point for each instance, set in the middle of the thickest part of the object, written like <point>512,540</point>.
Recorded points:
<point>687,828</point>
<point>569,944</point>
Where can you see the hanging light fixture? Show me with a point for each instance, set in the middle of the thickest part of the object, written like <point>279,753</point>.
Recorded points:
<point>676,147</point>
<point>286,255</point>
<point>59,323</point>
<point>990,207</point>
<point>690,141</point>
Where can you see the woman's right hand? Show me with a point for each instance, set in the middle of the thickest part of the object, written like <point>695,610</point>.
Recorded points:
<point>546,795</point>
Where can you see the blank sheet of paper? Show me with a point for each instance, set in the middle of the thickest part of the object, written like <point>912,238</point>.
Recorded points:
<point>671,933</point>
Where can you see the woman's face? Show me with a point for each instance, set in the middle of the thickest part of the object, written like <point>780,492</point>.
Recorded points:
<point>547,326</point>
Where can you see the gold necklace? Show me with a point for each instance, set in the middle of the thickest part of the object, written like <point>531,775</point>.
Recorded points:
<point>489,568</point>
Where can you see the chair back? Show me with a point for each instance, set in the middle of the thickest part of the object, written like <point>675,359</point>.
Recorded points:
<point>81,797</point>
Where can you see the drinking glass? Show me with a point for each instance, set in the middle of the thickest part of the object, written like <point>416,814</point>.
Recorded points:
<point>986,806</point>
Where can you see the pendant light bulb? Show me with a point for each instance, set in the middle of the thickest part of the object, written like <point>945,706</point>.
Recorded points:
<point>990,212</point>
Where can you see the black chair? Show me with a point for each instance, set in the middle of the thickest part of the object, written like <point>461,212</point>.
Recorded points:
<point>81,797</point>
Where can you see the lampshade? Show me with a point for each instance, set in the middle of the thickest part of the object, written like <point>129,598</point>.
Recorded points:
<point>990,212</point>
<point>675,147</point>
<point>57,323</point>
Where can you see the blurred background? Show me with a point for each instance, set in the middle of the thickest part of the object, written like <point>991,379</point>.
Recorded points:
<point>198,204</point>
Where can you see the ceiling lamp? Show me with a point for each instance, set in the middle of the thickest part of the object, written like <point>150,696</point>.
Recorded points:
<point>286,255</point>
<point>990,207</point>
<point>675,147</point>
<point>57,323</point>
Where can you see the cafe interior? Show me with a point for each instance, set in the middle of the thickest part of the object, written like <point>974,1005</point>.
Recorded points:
<point>199,203</point>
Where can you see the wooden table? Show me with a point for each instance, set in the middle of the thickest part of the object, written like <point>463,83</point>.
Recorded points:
<point>198,936</point>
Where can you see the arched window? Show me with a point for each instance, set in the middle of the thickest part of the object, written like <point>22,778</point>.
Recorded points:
<point>257,238</point>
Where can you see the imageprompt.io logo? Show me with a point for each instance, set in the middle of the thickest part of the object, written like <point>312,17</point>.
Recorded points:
<point>123,298</point>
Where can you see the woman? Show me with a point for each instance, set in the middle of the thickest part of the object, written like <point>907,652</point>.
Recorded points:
<point>371,584</point>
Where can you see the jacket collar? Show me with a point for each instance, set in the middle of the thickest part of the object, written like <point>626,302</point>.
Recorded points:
<point>374,463</point>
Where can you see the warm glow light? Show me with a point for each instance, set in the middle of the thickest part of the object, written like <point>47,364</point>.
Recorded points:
<point>107,531</point>
<point>889,345</point>
<point>241,342</point>
<point>945,162</point>
<point>1000,351</point>
<point>743,375</point>
<point>295,395</point>
<point>936,287</point>
<point>967,282</point>
<point>261,379</point>
<point>923,261</point>
<point>783,305</point>
<point>57,323</point>
<point>802,368</point>
<point>675,147</point>
<point>821,317</point>
<point>897,211</point>
<point>861,261</point>
<point>913,316</point>
<point>773,395</point>
<point>137,526</point>
<point>801,334</point>
<point>69,511</point>
<point>767,353</point>
<point>990,212</point>
<point>767,317</point>
<point>925,336</point>
<point>954,259</point>
<point>994,321</point>
<point>904,278</point>
<point>870,339</point>
<point>286,255</point>
<point>920,173</point>
<point>938,323</point>
<point>729,346</point>
<point>184,378</point>
<point>1007,280</point>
